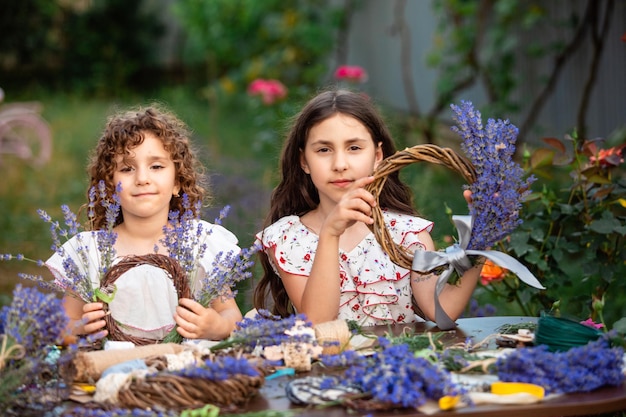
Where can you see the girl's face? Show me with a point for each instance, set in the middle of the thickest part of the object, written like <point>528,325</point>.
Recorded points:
<point>148,179</point>
<point>338,151</point>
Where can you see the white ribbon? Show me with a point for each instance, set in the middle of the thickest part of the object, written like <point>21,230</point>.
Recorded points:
<point>456,257</point>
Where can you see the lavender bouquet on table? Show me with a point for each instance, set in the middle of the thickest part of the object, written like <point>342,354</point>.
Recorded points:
<point>30,364</point>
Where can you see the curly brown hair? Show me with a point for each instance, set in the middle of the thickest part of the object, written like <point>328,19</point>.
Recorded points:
<point>124,131</point>
<point>296,194</point>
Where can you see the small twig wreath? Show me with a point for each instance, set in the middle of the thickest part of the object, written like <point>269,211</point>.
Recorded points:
<point>173,391</point>
<point>170,265</point>
<point>419,153</point>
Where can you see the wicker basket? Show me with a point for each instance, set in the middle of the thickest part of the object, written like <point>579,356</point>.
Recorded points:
<point>170,265</point>
<point>420,153</point>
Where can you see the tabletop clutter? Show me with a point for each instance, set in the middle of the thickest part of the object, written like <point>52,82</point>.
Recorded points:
<point>352,367</point>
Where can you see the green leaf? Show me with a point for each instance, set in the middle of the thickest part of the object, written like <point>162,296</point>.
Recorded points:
<point>541,158</point>
<point>605,225</point>
<point>620,325</point>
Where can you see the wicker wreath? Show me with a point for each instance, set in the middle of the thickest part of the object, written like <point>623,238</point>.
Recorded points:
<point>178,392</point>
<point>419,153</point>
<point>170,265</point>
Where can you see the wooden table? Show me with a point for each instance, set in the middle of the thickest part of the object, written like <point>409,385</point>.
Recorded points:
<point>603,400</point>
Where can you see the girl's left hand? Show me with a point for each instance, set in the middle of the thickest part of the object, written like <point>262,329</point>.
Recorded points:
<point>197,322</point>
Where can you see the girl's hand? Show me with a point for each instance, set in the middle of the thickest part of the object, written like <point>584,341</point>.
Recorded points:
<point>93,318</point>
<point>354,206</point>
<point>197,322</point>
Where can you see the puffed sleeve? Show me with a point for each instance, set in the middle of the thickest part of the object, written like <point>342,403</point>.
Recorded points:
<point>405,229</point>
<point>293,244</point>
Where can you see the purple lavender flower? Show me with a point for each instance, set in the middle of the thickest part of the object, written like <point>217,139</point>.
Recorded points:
<point>183,237</point>
<point>222,368</point>
<point>499,189</point>
<point>185,241</point>
<point>580,369</point>
<point>228,269</point>
<point>76,266</point>
<point>34,320</point>
<point>395,376</point>
<point>266,329</point>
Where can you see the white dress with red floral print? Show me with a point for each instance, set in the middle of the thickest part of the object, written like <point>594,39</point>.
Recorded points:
<point>374,290</point>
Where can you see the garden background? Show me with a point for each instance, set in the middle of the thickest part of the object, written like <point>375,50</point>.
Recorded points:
<point>555,69</point>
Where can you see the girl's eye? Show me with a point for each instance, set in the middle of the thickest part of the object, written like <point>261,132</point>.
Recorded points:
<point>323,150</point>
<point>355,148</point>
<point>157,167</point>
<point>126,169</point>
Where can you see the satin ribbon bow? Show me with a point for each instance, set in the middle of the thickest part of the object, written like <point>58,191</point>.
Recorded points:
<point>456,257</point>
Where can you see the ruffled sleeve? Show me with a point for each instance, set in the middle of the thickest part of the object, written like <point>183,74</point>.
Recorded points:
<point>294,245</point>
<point>404,229</point>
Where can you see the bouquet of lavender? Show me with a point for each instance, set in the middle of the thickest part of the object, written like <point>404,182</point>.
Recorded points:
<point>185,240</point>
<point>499,190</point>
<point>79,255</point>
<point>29,328</point>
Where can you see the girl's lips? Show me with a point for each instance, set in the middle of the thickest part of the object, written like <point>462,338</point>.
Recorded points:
<point>341,183</point>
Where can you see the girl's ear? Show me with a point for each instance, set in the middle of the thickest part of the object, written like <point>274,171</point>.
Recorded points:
<point>379,154</point>
<point>303,164</point>
<point>176,190</point>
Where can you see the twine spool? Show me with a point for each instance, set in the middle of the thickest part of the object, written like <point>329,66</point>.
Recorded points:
<point>420,153</point>
<point>561,334</point>
<point>333,336</point>
<point>173,269</point>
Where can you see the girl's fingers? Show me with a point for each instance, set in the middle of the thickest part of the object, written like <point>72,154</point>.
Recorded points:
<point>362,182</point>
<point>191,305</point>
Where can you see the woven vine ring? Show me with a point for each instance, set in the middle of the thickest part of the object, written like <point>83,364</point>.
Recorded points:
<point>419,153</point>
<point>170,265</point>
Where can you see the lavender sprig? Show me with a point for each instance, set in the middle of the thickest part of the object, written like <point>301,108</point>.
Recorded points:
<point>266,329</point>
<point>75,258</point>
<point>184,237</point>
<point>228,269</point>
<point>499,190</point>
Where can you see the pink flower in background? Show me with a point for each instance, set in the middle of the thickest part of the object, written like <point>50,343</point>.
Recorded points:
<point>351,73</point>
<point>589,322</point>
<point>269,90</point>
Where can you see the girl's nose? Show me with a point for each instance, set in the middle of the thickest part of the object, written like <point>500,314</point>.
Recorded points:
<point>142,176</point>
<point>340,162</point>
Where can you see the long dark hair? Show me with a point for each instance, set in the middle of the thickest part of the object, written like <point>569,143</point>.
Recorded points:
<point>296,194</point>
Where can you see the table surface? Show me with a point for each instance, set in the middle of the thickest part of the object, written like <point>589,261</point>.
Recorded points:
<point>604,400</point>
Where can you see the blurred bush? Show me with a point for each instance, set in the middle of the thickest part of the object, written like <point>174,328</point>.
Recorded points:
<point>95,46</point>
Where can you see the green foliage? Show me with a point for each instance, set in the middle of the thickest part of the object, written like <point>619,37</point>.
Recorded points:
<point>238,41</point>
<point>483,43</point>
<point>25,39</point>
<point>108,44</point>
<point>97,46</point>
<point>573,234</point>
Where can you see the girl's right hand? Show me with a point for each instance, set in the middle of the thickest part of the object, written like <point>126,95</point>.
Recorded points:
<point>93,318</point>
<point>354,206</point>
